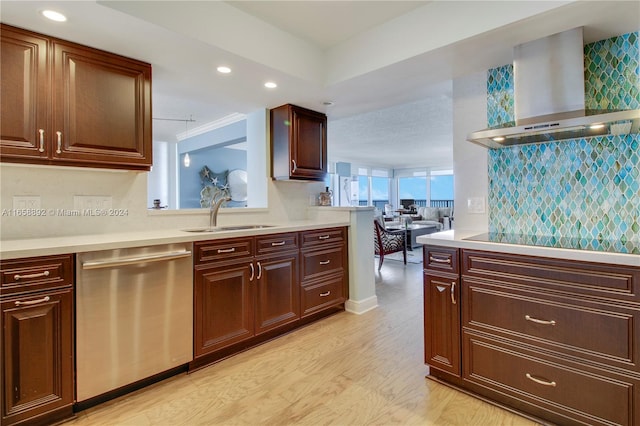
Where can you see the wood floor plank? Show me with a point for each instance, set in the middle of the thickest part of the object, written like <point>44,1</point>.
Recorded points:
<point>344,370</point>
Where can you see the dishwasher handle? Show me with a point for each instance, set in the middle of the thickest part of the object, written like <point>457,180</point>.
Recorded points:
<point>162,257</point>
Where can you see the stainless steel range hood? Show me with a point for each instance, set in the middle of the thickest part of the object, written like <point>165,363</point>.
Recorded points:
<point>549,97</point>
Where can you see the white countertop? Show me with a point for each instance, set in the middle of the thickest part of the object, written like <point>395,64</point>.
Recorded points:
<point>456,238</point>
<point>13,249</point>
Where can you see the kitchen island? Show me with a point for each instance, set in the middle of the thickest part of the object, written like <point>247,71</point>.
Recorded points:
<point>548,332</point>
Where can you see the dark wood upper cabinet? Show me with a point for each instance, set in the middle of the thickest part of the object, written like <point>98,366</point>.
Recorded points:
<point>77,106</point>
<point>25,97</point>
<point>298,144</point>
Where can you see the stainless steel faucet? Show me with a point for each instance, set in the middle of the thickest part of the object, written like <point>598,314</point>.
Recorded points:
<point>213,212</point>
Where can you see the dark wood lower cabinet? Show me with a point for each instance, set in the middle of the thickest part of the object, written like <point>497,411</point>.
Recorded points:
<point>277,292</point>
<point>37,352</point>
<point>555,340</point>
<point>249,290</point>
<point>223,311</point>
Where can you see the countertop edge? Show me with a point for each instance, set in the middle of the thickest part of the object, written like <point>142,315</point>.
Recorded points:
<point>33,247</point>
<point>456,239</point>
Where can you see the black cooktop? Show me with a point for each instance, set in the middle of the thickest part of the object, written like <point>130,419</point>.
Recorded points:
<point>592,244</point>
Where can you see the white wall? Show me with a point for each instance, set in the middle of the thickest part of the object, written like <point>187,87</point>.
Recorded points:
<point>469,160</point>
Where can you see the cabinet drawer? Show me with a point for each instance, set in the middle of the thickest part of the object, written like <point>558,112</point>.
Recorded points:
<point>317,263</point>
<point>222,250</point>
<point>323,236</point>
<point>583,328</point>
<point>276,243</point>
<point>575,277</point>
<point>22,275</point>
<point>551,389</point>
<point>322,294</point>
<point>441,259</point>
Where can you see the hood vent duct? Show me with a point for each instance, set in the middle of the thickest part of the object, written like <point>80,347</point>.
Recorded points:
<point>549,97</point>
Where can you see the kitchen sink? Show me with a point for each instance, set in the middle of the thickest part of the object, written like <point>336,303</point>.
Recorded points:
<point>227,228</point>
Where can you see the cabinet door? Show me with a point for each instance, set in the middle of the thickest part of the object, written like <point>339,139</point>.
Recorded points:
<point>309,144</point>
<point>223,306</point>
<point>37,354</point>
<point>278,293</point>
<point>442,323</point>
<point>25,99</point>
<point>102,108</point>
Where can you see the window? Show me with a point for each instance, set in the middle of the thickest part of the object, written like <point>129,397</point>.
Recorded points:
<point>413,188</point>
<point>441,189</point>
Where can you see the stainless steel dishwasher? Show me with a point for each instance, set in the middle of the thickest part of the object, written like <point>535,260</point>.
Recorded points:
<point>134,315</point>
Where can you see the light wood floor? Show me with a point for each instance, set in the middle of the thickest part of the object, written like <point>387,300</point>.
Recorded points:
<point>344,370</point>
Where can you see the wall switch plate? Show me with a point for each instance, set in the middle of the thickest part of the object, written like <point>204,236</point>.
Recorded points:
<point>26,202</point>
<point>92,202</point>
<point>475,205</point>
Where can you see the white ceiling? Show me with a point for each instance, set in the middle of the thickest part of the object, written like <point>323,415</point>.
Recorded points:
<point>388,66</point>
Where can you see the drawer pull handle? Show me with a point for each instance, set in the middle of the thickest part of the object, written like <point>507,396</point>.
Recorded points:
<point>323,237</point>
<point>28,276</point>
<point>252,272</point>
<point>59,150</point>
<point>325,262</point>
<point>231,250</point>
<point>453,295</point>
<point>539,321</point>
<point>540,381</point>
<point>259,271</point>
<point>438,260</point>
<point>41,131</point>
<point>281,243</point>
<point>33,302</point>
<point>325,294</point>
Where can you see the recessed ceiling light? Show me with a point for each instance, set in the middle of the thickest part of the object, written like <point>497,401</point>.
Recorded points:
<point>224,70</point>
<point>270,85</point>
<point>54,16</point>
<point>327,103</point>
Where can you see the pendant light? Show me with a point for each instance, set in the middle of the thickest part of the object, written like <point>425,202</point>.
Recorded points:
<point>186,160</point>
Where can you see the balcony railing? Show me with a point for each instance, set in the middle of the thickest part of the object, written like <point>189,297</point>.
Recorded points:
<point>420,203</point>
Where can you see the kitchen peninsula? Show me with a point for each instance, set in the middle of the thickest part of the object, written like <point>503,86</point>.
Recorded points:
<point>550,332</point>
<point>297,273</point>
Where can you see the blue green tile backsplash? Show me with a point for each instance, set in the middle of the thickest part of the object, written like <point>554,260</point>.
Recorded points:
<point>583,188</point>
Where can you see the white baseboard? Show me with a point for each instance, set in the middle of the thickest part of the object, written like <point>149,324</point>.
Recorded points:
<point>361,306</point>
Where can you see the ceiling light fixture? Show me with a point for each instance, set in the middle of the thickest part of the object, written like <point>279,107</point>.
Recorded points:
<point>328,103</point>
<point>54,16</point>
<point>270,85</point>
<point>223,69</point>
